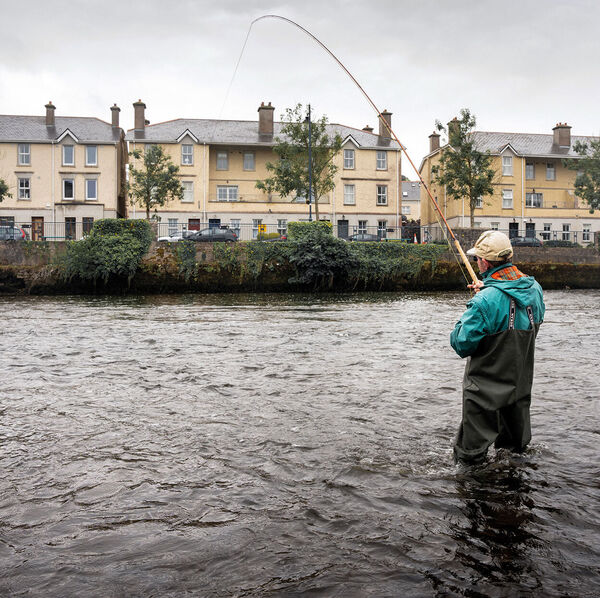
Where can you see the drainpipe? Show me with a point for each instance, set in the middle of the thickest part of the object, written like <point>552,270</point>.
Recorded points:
<point>128,175</point>
<point>53,192</point>
<point>523,195</point>
<point>204,187</point>
<point>398,184</point>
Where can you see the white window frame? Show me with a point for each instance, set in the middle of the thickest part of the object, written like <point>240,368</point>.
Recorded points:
<point>530,171</point>
<point>382,229</point>
<point>187,154</point>
<point>24,154</point>
<point>24,189</point>
<point>586,233</point>
<point>235,224</point>
<point>173,226</point>
<point>227,192</point>
<point>546,233</point>
<point>363,226</point>
<point>479,202</point>
<point>406,210</point>
<point>255,223</point>
<point>494,225</point>
<point>87,155</point>
<point>349,195</point>
<point>222,160</point>
<point>282,226</point>
<point>566,231</point>
<point>349,159</point>
<point>381,160</point>
<point>249,161</point>
<point>507,196</point>
<point>64,182</point>
<point>382,195</point>
<point>507,165</point>
<point>64,161</point>
<point>188,192</point>
<point>87,189</point>
<point>550,171</point>
<point>534,200</point>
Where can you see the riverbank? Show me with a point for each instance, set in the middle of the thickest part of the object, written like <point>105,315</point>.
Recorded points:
<point>35,268</point>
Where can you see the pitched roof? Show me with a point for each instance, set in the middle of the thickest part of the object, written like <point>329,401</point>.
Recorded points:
<point>33,129</point>
<point>241,132</point>
<point>413,190</point>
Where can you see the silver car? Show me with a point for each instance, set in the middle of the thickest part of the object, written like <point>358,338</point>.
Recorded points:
<point>13,233</point>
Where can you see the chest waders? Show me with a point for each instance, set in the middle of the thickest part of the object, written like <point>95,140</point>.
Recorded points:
<point>497,392</point>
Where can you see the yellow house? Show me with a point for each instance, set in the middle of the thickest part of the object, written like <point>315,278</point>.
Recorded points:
<point>534,193</point>
<point>220,162</point>
<point>63,172</point>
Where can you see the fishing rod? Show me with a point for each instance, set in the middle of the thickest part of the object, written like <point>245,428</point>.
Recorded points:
<point>456,242</point>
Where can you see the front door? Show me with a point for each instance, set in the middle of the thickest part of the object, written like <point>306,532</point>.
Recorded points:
<point>37,228</point>
<point>513,230</point>
<point>193,223</point>
<point>530,230</point>
<point>342,227</point>
<point>70,228</point>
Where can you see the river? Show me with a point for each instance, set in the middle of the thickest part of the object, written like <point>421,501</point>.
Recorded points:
<point>279,445</point>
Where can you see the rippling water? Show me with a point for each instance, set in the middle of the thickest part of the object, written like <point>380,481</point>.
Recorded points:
<point>267,445</point>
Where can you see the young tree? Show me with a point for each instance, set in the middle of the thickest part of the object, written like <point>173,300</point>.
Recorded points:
<point>587,183</point>
<point>4,190</point>
<point>466,172</point>
<point>290,174</point>
<point>155,183</point>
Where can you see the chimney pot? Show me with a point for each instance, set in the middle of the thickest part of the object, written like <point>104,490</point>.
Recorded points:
<point>434,142</point>
<point>139,115</point>
<point>386,117</point>
<point>265,119</point>
<point>50,108</point>
<point>368,129</point>
<point>115,115</point>
<point>562,135</point>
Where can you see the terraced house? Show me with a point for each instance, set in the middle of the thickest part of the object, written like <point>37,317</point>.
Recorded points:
<point>63,172</point>
<point>220,162</point>
<point>534,193</point>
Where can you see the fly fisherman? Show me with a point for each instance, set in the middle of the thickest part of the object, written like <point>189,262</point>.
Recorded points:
<point>497,336</point>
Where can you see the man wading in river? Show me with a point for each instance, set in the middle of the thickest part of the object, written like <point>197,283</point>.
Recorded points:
<point>497,336</point>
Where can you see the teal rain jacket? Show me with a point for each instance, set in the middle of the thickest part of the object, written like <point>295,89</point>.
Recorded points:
<point>487,312</point>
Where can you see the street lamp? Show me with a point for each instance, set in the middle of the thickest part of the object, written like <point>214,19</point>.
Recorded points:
<point>309,166</point>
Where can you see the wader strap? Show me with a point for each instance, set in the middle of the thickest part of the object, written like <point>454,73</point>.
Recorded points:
<point>530,315</point>
<point>512,314</point>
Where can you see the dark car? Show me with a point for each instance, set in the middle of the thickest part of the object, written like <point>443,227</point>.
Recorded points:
<point>526,242</point>
<point>364,237</point>
<point>12,233</point>
<point>213,234</point>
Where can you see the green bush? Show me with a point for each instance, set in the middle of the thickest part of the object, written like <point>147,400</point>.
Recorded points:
<point>264,236</point>
<point>298,230</point>
<point>560,243</point>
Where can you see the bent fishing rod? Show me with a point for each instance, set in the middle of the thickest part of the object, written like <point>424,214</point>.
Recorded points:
<point>456,242</point>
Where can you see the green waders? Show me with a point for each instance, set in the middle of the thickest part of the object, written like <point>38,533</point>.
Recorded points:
<point>497,392</point>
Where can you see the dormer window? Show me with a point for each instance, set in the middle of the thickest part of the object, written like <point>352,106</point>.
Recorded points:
<point>187,154</point>
<point>68,155</point>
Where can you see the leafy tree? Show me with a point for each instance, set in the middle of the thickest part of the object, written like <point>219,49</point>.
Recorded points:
<point>587,183</point>
<point>4,190</point>
<point>290,174</point>
<point>466,172</point>
<point>155,183</point>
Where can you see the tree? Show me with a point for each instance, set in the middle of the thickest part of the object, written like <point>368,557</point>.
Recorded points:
<point>587,182</point>
<point>155,183</point>
<point>466,172</point>
<point>4,190</point>
<point>290,174</point>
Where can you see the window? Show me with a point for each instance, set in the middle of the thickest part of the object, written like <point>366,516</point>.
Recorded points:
<point>479,202</point>
<point>187,154</point>
<point>494,225</point>
<point>68,155</point>
<point>550,172</point>
<point>546,232</point>
<point>382,229</point>
<point>188,192</point>
<point>255,223</point>
<point>249,162</point>
<point>507,165</point>
<point>349,158</point>
<point>68,188</point>
<point>70,227</point>
<point>91,155</point>
<point>587,230</point>
<point>406,210</point>
<point>362,227</point>
<point>24,188</point>
<point>381,160</point>
<point>404,193</point>
<point>534,200</point>
<point>173,226</point>
<point>282,226</point>
<point>566,234</point>
<point>529,171</point>
<point>91,189</point>
<point>349,195</point>
<point>227,192</point>
<point>382,195</point>
<point>87,224</point>
<point>222,161</point>
<point>507,199</point>
<point>24,151</point>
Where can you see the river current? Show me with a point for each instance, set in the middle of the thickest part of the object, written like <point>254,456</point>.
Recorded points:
<point>278,445</point>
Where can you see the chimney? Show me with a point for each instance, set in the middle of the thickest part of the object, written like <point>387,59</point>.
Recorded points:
<point>383,130</point>
<point>115,115</point>
<point>453,129</point>
<point>139,118</point>
<point>368,129</point>
<point>434,142</point>
<point>265,119</point>
<point>50,108</point>
<point>562,135</point>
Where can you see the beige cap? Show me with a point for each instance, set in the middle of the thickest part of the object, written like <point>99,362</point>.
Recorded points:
<point>493,246</point>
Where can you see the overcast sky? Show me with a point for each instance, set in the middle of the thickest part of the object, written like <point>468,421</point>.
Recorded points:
<point>520,66</point>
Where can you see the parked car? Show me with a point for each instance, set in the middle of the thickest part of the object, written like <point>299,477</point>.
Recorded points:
<point>177,236</point>
<point>526,242</point>
<point>364,237</point>
<point>222,234</point>
<point>13,233</point>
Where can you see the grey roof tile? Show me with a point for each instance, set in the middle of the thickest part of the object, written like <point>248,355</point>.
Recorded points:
<point>33,129</point>
<point>413,190</point>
